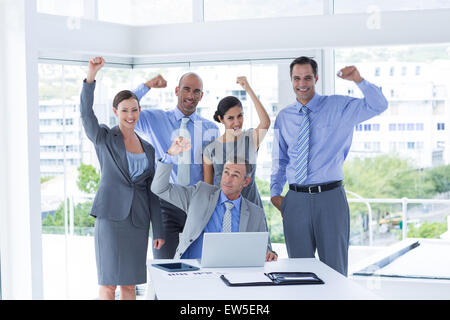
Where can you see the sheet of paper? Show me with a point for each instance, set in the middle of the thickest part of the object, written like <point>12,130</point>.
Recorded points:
<point>300,278</point>
<point>247,277</point>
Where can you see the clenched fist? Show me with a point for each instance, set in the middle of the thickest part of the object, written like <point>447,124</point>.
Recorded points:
<point>95,64</point>
<point>243,82</point>
<point>350,73</point>
<point>156,82</point>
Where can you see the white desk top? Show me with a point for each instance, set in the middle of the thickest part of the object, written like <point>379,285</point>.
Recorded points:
<point>211,287</point>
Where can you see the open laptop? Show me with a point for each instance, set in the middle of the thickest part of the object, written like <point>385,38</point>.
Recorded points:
<point>234,249</point>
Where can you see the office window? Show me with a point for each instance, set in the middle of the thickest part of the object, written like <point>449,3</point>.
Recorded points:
<point>391,71</point>
<point>392,146</point>
<point>419,145</point>
<point>412,105</point>
<point>72,8</point>
<point>249,9</point>
<point>404,71</point>
<point>368,6</point>
<point>417,70</point>
<point>367,127</point>
<point>359,127</point>
<point>377,71</point>
<point>65,147</point>
<point>144,12</point>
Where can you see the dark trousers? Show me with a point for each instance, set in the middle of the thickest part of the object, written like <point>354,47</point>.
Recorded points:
<point>173,222</point>
<point>318,221</point>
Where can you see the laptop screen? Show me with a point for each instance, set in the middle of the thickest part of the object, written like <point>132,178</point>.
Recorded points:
<point>234,249</point>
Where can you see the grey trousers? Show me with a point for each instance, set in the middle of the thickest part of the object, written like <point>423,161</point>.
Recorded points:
<point>318,221</point>
<point>173,219</point>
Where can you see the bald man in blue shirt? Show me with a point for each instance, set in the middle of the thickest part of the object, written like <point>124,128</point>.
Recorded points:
<point>312,139</point>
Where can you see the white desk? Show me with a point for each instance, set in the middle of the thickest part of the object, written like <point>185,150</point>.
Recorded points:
<point>211,287</point>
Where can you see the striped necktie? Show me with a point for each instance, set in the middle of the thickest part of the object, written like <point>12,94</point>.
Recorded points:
<point>302,147</point>
<point>226,224</point>
<point>184,166</point>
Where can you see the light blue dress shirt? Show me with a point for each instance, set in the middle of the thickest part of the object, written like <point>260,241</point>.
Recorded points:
<point>160,128</point>
<point>332,122</point>
<point>215,225</point>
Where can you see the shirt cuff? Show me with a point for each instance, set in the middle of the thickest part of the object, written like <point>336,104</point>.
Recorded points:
<point>167,159</point>
<point>363,84</point>
<point>141,91</point>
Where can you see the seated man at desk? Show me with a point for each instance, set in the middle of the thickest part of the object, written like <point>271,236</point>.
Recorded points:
<point>209,208</point>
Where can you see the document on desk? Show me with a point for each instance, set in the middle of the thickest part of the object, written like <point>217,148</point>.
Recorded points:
<point>240,278</point>
<point>271,278</point>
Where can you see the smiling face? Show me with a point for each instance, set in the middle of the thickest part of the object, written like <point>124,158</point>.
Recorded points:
<point>189,93</point>
<point>303,82</point>
<point>233,120</point>
<point>128,113</point>
<point>234,179</point>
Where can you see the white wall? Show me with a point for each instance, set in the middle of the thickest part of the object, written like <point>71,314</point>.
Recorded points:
<point>20,229</point>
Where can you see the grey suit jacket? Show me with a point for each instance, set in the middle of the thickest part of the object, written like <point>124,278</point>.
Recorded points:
<point>117,194</point>
<point>199,202</point>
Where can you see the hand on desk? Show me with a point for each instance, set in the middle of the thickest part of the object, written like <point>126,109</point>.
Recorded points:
<point>271,256</point>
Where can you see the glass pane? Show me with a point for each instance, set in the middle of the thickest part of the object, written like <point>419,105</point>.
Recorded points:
<point>144,12</point>
<point>72,8</point>
<point>69,176</point>
<point>349,6</point>
<point>253,9</point>
<point>400,153</point>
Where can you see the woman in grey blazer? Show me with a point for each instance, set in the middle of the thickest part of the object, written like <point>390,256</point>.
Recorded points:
<point>124,204</point>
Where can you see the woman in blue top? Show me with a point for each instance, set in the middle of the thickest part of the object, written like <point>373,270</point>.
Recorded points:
<point>236,143</point>
<point>124,204</point>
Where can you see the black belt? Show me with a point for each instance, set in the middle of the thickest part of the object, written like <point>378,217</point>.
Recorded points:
<point>317,188</point>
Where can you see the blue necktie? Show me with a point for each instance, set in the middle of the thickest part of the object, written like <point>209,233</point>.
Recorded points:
<point>302,147</point>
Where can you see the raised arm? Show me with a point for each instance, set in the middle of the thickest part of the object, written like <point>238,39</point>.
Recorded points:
<point>156,82</point>
<point>264,120</point>
<point>358,110</point>
<point>176,194</point>
<point>89,120</point>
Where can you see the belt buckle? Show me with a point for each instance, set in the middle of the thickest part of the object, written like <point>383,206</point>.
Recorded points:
<point>319,190</point>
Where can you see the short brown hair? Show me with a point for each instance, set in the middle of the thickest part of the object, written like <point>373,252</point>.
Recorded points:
<point>124,95</point>
<point>304,60</point>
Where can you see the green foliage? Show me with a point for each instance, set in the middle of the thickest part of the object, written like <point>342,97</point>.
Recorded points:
<point>440,178</point>
<point>45,179</point>
<point>427,230</point>
<point>81,214</point>
<point>88,178</point>
<point>386,176</point>
<point>88,181</point>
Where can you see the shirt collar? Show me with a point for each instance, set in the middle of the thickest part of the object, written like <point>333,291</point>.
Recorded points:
<point>237,203</point>
<point>179,115</point>
<point>312,105</point>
